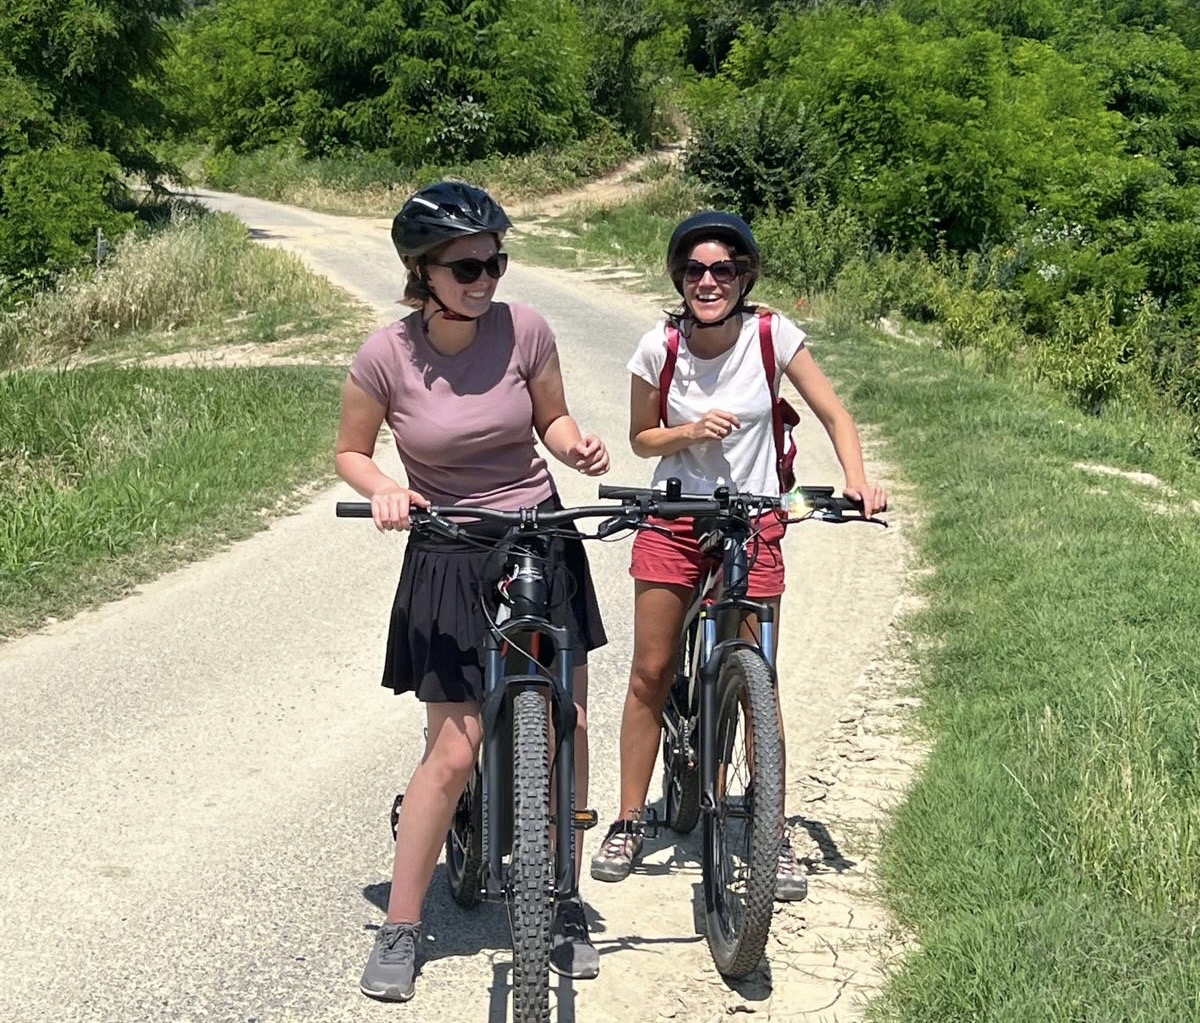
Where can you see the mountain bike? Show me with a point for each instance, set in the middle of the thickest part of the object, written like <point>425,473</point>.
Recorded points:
<point>509,841</point>
<point>722,746</point>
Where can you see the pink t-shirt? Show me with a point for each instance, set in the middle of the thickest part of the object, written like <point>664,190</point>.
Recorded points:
<point>464,423</point>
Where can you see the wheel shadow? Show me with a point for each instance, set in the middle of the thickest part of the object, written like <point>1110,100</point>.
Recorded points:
<point>447,929</point>
<point>831,853</point>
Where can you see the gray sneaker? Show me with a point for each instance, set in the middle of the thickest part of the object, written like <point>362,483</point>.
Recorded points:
<point>618,852</point>
<point>571,951</point>
<point>392,964</point>
<point>791,882</point>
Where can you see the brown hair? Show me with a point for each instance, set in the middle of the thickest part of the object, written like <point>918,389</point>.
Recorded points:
<point>416,291</point>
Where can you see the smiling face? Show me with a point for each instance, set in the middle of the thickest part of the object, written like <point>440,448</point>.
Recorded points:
<point>711,299</point>
<point>471,299</point>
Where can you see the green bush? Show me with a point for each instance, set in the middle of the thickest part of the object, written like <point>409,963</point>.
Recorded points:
<point>809,245</point>
<point>757,151</point>
<point>1090,359</point>
<point>52,202</point>
<point>422,80</point>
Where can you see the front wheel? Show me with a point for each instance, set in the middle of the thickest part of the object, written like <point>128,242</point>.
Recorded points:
<point>742,834</point>
<point>532,875</point>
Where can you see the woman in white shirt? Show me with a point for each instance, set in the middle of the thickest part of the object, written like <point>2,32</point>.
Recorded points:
<point>714,426</point>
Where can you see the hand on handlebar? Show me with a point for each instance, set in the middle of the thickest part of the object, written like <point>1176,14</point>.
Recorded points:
<point>391,507</point>
<point>874,499</point>
<point>590,456</point>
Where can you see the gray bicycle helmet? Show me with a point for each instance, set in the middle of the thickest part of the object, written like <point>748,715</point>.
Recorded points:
<point>444,211</point>
<point>712,225</point>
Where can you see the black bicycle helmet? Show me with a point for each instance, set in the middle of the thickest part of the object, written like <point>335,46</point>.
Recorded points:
<point>712,225</point>
<point>444,211</point>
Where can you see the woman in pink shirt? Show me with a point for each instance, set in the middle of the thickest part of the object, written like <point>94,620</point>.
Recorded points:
<point>463,383</point>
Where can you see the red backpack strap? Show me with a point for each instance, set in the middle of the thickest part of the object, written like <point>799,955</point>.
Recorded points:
<point>768,357</point>
<point>668,371</point>
<point>783,415</point>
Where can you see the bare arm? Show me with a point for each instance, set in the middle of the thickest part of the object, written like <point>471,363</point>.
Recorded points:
<point>818,394</point>
<point>557,429</point>
<point>650,439</point>
<point>354,460</point>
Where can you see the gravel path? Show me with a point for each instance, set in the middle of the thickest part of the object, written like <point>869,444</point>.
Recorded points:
<point>194,780</point>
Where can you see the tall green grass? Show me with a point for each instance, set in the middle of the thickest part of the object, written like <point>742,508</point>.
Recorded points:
<point>110,471</point>
<point>108,475</point>
<point>1048,859</point>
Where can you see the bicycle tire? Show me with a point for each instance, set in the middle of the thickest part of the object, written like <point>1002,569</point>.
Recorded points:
<point>681,776</point>
<point>531,875</point>
<point>742,835</point>
<point>681,779</point>
<point>464,845</point>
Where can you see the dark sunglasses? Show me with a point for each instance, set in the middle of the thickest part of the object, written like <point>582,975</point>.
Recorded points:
<point>724,271</point>
<point>469,270</point>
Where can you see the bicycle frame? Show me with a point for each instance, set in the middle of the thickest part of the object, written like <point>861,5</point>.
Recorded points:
<point>712,626</point>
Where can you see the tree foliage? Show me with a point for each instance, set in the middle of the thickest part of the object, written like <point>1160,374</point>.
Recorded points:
<point>1059,141</point>
<point>76,88</point>
<point>425,80</point>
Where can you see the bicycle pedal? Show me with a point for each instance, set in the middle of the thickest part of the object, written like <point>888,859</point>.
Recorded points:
<point>650,826</point>
<point>585,820</point>
<point>395,814</point>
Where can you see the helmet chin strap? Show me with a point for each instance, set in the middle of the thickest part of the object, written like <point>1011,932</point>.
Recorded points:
<point>444,310</point>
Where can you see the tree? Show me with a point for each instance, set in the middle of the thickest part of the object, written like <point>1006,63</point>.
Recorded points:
<point>76,81</point>
<point>425,80</point>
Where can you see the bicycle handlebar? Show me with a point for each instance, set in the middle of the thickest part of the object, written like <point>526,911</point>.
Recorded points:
<point>436,517</point>
<point>820,499</point>
<point>638,503</point>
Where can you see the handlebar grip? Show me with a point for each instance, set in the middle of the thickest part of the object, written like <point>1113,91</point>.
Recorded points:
<point>354,509</point>
<point>622,493</point>
<point>682,509</point>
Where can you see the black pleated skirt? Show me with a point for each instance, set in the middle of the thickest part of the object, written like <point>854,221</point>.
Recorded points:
<point>435,645</point>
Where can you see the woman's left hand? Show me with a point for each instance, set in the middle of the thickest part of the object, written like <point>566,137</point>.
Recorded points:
<point>874,499</point>
<point>590,456</point>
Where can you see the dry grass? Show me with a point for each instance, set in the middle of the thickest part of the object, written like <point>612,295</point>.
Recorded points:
<point>200,270</point>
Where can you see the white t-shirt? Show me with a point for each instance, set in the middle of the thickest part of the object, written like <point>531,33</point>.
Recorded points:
<point>734,381</point>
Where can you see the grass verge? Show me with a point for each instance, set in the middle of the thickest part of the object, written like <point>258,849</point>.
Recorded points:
<point>111,475</point>
<point>1048,859</point>
<point>112,471</point>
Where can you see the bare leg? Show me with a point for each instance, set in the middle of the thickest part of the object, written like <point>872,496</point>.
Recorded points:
<point>657,619</point>
<point>454,736</point>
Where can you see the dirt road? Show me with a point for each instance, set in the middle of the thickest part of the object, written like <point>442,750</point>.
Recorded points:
<point>194,780</point>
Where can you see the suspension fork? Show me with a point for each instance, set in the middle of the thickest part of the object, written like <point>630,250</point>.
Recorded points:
<point>499,687</point>
<point>565,719</point>
<point>724,619</point>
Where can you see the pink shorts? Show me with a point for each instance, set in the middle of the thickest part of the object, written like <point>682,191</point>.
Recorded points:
<point>676,560</point>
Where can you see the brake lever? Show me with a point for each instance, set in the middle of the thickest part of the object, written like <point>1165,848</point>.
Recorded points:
<point>438,524</point>
<point>617,524</point>
<point>838,516</point>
